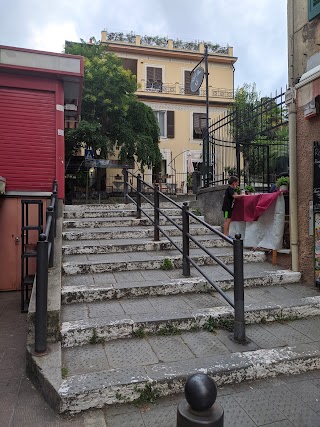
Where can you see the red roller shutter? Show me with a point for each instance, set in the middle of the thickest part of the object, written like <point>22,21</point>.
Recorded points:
<point>27,139</point>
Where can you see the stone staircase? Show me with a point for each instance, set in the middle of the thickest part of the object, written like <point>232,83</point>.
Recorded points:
<point>133,328</point>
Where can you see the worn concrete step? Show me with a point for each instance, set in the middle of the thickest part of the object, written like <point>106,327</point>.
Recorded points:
<point>77,209</point>
<point>108,213</point>
<point>129,232</point>
<point>107,373</point>
<point>101,287</point>
<point>73,247</point>
<point>121,222</point>
<point>100,263</point>
<point>110,320</point>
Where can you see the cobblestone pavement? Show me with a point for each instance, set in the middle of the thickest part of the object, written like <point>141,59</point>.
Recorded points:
<point>279,402</point>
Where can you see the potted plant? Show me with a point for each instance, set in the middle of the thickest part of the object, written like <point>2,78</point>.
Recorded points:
<point>282,183</point>
<point>237,190</point>
<point>249,189</point>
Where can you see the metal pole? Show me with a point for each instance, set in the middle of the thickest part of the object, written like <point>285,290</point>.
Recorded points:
<point>138,196</point>
<point>50,213</point>
<point>239,320</point>
<point>185,240</point>
<point>87,186</point>
<point>200,408</point>
<point>55,210</point>
<point>125,184</point>
<point>206,159</point>
<point>156,234</point>
<point>41,295</point>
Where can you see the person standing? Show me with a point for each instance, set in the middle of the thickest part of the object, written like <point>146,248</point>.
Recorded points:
<point>228,201</point>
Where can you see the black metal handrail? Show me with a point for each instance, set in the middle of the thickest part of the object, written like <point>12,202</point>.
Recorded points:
<point>45,260</point>
<point>237,243</point>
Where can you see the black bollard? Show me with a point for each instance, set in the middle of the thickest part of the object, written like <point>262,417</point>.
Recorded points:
<point>200,408</point>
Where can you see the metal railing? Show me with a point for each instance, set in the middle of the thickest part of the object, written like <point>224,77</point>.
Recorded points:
<point>45,253</point>
<point>238,304</point>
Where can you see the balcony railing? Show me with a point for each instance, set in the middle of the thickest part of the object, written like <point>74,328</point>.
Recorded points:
<point>178,89</point>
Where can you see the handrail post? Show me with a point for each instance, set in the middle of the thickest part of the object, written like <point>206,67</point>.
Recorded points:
<point>50,213</point>
<point>41,295</point>
<point>125,184</point>
<point>55,200</point>
<point>156,234</point>
<point>239,318</point>
<point>185,240</point>
<point>138,196</point>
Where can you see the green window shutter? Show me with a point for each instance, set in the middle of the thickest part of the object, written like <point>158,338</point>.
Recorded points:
<point>170,124</point>
<point>313,9</point>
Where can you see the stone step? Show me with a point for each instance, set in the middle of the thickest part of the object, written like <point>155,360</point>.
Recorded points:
<point>101,287</point>
<point>111,320</point>
<point>103,263</point>
<point>121,222</point>
<point>114,207</point>
<point>129,232</point>
<point>108,213</point>
<point>74,247</point>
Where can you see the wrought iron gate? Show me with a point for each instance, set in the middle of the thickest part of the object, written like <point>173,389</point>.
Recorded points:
<point>251,142</point>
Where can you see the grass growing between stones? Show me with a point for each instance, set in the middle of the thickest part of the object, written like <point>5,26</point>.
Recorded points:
<point>95,339</point>
<point>64,373</point>
<point>148,394</point>
<point>167,264</point>
<point>211,325</point>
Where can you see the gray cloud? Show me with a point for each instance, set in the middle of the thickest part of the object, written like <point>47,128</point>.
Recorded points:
<point>256,29</point>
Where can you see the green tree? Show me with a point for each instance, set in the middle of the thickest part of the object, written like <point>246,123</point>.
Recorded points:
<point>112,118</point>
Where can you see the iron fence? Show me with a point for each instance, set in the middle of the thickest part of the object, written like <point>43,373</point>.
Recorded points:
<point>250,142</point>
<point>133,192</point>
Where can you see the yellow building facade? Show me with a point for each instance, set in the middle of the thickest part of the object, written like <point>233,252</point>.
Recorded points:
<point>162,67</point>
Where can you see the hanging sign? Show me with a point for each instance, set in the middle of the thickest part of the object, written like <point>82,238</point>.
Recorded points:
<point>196,79</point>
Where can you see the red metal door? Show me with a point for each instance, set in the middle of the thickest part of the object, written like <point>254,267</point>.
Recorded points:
<point>27,139</point>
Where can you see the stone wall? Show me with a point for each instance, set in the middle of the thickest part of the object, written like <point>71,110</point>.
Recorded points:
<point>210,203</point>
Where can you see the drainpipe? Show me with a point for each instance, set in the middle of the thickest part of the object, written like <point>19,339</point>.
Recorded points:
<point>293,192</point>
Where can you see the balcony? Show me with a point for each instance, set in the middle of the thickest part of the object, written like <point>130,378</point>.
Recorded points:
<point>178,89</point>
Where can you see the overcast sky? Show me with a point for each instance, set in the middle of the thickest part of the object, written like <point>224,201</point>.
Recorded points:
<point>257,29</point>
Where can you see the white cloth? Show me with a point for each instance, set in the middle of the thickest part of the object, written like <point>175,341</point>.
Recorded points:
<point>267,231</point>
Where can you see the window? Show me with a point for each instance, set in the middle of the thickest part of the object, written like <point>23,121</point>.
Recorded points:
<point>187,80</point>
<point>154,79</point>
<point>166,123</point>
<point>313,9</point>
<point>199,124</point>
<point>161,117</point>
<point>130,64</point>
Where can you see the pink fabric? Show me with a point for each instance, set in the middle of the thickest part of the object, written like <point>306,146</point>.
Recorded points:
<point>250,208</point>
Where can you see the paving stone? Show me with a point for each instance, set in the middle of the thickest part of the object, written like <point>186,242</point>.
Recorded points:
<point>308,327</point>
<point>87,358</point>
<point>156,416</point>
<point>137,306</point>
<point>103,279</point>
<point>154,275</point>
<point>77,280</point>
<point>125,353</point>
<point>202,300</point>
<point>105,309</point>
<point>307,392</point>
<point>285,332</point>
<point>170,349</point>
<point>127,276</point>
<point>169,303</point>
<point>74,312</point>
<point>204,344</point>
<point>263,338</point>
<point>259,409</point>
<point>122,420</point>
<point>234,414</point>
<point>291,406</point>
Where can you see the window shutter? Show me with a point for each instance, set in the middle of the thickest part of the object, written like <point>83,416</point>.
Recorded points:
<point>154,74</point>
<point>170,124</point>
